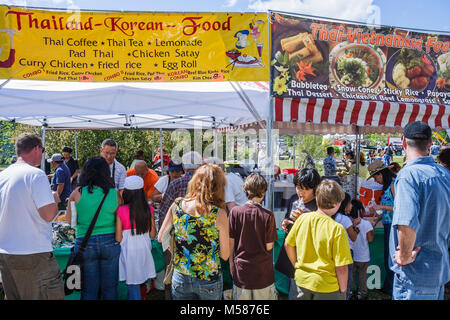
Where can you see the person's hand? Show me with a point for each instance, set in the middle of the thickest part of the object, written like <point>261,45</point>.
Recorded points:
<point>403,261</point>
<point>56,197</point>
<point>356,222</point>
<point>372,211</point>
<point>377,207</point>
<point>295,214</point>
<point>285,225</point>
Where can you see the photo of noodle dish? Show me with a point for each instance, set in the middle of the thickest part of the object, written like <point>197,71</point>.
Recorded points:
<point>354,65</point>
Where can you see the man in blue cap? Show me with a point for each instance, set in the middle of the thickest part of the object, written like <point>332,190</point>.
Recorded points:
<point>174,171</point>
<point>420,234</point>
<point>61,183</point>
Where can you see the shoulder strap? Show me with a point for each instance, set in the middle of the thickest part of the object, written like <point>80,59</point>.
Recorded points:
<point>177,203</point>
<point>91,226</point>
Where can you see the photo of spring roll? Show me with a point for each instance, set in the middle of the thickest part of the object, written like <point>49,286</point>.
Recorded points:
<point>296,50</point>
<point>293,43</point>
<point>316,57</point>
<point>301,54</point>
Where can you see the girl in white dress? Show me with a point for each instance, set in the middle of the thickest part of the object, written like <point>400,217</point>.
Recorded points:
<point>135,226</point>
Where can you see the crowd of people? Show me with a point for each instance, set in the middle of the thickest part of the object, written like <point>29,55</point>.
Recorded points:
<point>206,217</point>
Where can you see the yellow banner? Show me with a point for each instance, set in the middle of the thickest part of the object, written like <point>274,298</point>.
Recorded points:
<point>132,46</point>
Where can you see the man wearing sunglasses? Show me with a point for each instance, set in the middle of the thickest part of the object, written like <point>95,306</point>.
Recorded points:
<point>27,207</point>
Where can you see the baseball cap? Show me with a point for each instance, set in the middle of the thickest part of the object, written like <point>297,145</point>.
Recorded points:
<point>175,165</point>
<point>133,183</point>
<point>192,160</point>
<point>56,157</point>
<point>417,130</point>
<point>67,149</point>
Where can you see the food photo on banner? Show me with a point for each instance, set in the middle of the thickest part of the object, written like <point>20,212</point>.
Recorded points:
<point>132,46</point>
<point>314,58</point>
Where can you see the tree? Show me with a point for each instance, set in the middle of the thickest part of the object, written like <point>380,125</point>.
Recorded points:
<point>7,129</point>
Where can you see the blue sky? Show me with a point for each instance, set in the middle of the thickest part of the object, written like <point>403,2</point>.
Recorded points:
<point>422,14</point>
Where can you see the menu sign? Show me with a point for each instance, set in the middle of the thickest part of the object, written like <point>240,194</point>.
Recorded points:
<point>132,46</point>
<point>325,59</point>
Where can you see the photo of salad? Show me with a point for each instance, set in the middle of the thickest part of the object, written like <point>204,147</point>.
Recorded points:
<point>356,66</point>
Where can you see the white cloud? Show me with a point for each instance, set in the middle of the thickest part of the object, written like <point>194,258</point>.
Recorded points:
<point>355,10</point>
<point>230,3</point>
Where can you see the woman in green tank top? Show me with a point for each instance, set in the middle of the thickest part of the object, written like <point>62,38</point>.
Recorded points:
<point>101,257</point>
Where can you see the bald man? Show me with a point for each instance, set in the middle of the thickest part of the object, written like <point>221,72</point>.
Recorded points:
<point>149,176</point>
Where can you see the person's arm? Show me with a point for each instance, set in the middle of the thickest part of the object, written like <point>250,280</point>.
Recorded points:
<point>269,246</point>
<point>352,234</point>
<point>119,198</point>
<point>75,174</point>
<point>74,196</point>
<point>224,235</point>
<point>370,235</point>
<point>231,256</point>
<point>156,195</point>
<point>405,253</point>
<point>342,277</point>
<point>119,235</point>
<point>166,224</point>
<point>291,253</point>
<point>152,231</point>
<point>48,212</point>
<point>60,188</point>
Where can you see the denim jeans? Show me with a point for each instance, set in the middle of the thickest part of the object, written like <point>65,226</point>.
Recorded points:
<point>188,288</point>
<point>134,292</point>
<point>403,289</point>
<point>389,278</point>
<point>100,267</point>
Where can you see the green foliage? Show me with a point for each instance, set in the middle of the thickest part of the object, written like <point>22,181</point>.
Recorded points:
<point>310,143</point>
<point>89,142</point>
<point>6,142</point>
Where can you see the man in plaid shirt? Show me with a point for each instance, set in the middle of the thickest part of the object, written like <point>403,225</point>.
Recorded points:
<point>178,188</point>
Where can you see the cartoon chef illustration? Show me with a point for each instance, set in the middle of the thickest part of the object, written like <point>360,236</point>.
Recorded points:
<point>12,52</point>
<point>242,39</point>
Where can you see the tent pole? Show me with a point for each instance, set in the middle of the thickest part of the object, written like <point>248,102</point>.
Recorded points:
<point>161,149</point>
<point>215,144</point>
<point>76,144</point>
<point>293,155</point>
<point>153,145</point>
<point>358,142</point>
<point>44,126</point>
<point>269,128</point>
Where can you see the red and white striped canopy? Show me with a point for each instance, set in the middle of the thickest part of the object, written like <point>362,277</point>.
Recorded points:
<point>343,116</point>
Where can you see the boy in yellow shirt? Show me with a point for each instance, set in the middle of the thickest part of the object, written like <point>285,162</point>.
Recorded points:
<point>318,248</point>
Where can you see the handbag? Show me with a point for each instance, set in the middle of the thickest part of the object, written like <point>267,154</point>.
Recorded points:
<point>73,273</point>
<point>169,254</point>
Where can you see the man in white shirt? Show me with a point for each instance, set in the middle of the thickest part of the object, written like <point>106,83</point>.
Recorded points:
<point>118,171</point>
<point>27,207</point>
<point>234,193</point>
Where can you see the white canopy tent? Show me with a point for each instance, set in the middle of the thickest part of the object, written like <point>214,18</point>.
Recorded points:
<point>133,105</point>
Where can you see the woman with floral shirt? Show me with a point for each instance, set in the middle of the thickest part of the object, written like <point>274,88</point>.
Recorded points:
<point>201,236</point>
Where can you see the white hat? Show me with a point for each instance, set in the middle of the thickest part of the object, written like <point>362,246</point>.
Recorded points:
<point>191,160</point>
<point>134,183</point>
<point>56,157</point>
